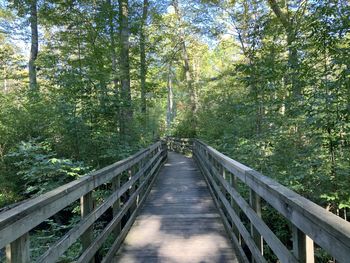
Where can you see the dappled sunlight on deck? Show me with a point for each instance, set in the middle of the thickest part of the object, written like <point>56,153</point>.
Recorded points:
<point>179,221</point>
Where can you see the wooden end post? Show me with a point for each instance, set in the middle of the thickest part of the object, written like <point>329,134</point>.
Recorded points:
<point>303,246</point>
<point>233,182</point>
<point>116,205</point>
<point>86,207</point>
<point>132,188</point>
<point>255,203</point>
<point>19,250</point>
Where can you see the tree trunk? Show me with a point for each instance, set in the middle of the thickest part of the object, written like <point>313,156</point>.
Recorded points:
<point>126,111</point>
<point>113,46</point>
<point>189,78</point>
<point>290,28</point>
<point>170,106</point>
<point>143,66</point>
<point>186,66</point>
<point>249,51</point>
<point>34,45</point>
<point>115,77</point>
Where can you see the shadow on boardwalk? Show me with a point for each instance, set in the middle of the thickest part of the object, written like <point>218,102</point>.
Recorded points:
<point>179,221</point>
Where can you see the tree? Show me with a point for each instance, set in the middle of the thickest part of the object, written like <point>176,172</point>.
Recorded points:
<point>291,24</point>
<point>143,64</point>
<point>126,110</point>
<point>186,65</point>
<point>33,18</point>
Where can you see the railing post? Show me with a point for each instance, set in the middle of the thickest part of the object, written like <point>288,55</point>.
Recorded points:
<point>144,175</point>
<point>222,171</point>
<point>19,250</point>
<point>141,179</point>
<point>132,188</point>
<point>233,182</point>
<point>255,203</point>
<point>116,205</point>
<point>303,246</point>
<point>86,207</point>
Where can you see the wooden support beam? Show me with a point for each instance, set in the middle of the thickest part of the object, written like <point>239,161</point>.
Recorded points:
<point>86,207</point>
<point>303,246</point>
<point>19,250</point>
<point>326,229</point>
<point>255,203</point>
<point>233,183</point>
<point>132,188</point>
<point>116,205</point>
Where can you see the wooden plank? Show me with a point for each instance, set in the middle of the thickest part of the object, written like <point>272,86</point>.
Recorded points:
<point>233,183</point>
<point>116,205</point>
<point>56,250</point>
<point>255,203</point>
<point>97,243</point>
<point>19,250</point>
<point>164,234</point>
<point>328,230</point>
<point>275,244</point>
<point>86,208</point>
<point>115,246</point>
<point>303,246</point>
<point>237,242</point>
<point>244,233</point>
<point>21,219</point>
<point>181,145</point>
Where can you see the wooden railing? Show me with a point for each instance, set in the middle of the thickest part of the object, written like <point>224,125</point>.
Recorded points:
<point>180,145</point>
<point>309,222</point>
<point>140,170</point>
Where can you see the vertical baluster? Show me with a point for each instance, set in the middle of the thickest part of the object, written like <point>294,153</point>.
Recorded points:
<point>223,190</point>
<point>142,178</point>
<point>19,250</point>
<point>234,182</point>
<point>86,207</point>
<point>116,205</point>
<point>132,188</point>
<point>212,164</point>
<point>303,246</point>
<point>255,203</point>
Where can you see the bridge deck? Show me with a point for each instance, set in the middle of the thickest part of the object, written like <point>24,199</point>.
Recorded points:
<point>179,221</point>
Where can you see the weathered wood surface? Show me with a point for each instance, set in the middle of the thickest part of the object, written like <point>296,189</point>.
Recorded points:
<point>314,223</point>
<point>31,213</point>
<point>179,221</point>
<point>180,145</point>
<point>23,218</point>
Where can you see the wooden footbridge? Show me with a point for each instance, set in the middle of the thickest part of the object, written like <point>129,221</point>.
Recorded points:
<point>166,207</point>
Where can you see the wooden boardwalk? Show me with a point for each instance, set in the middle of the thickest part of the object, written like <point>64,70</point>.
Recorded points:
<point>178,222</point>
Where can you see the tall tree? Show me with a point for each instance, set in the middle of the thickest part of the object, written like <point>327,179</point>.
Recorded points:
<point>125,93</point>
<point>33,7</point>
<point>115,76</point>
<point>289,21</point>
<point>143,66</point>
<point>28,9</point>
<point>113,45</point>
<point>170,101</point>
<point>186,64</point>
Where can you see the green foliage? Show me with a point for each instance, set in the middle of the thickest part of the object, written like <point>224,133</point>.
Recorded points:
<point>272,96</point>
<point>39,169</point>
<point>43,238</point>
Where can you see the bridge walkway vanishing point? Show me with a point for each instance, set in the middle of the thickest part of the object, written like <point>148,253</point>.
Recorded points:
<point>179,221</point>
<point>207,209</point>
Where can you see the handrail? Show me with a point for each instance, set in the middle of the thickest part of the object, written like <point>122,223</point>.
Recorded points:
<point>310,222</point>
<point>141,169</point>
<point>180,145</point>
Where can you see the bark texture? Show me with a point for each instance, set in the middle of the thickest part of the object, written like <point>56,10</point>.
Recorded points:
<point>34,48</point>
